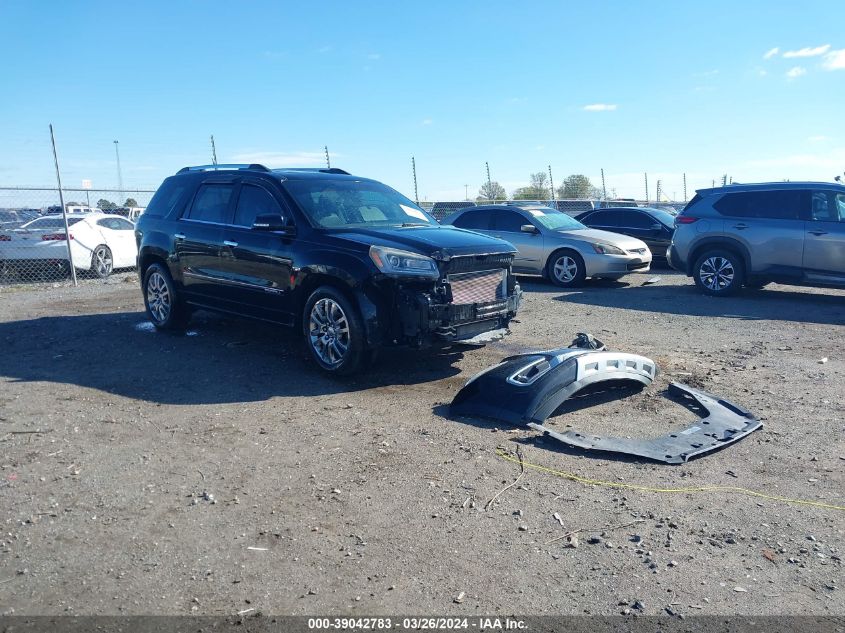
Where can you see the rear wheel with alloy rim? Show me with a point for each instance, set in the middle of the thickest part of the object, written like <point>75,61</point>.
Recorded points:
<point>164,309</point>
<point>566,268</point>
<point>334,334</point>
<point>719,272</point>
<point>102,262</point>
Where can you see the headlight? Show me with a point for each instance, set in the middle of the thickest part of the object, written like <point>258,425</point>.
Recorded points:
<point>395,262</point>
<point>607,249</point>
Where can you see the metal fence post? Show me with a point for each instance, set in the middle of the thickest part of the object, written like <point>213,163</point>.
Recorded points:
<point>64,210</point>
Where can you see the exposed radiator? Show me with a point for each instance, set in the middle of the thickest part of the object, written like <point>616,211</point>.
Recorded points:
<point>484,286</point>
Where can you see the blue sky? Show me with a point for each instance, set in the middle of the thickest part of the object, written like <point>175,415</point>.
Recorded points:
<point>752,89</point>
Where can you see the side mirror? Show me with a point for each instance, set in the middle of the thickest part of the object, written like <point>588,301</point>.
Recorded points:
<point>529,228</point>
<point>272,222</point>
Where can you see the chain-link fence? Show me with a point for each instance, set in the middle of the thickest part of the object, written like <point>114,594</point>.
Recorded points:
<point>441,210</point>
<point>92,240</point>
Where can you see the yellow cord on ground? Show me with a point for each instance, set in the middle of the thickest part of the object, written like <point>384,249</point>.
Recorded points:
<point>614,484</point>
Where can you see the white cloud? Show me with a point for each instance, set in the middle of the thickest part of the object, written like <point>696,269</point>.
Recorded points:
<point>285,159</point>
<point>707,73</point>
<point>600,107</point>
<point>324,49</point>
<point>797,71</point>
<point>374,56</point>
<point>807,52</point>
<point>762,73</point>
<point>771,53</point>
<point>426,122</point>
<point>835,60</point>
<point>820,138</point>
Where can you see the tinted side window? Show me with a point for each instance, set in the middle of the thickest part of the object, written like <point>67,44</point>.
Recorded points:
<point>638,220</point>
<point>254,201</point>
<point>597,218</point>
<point>780,205</point>
<point>169,197</point>
<point>211,203</point>
<point>613,218</point>
<point>840,205</point>
<point>478,220</point>
<point>508,221</point>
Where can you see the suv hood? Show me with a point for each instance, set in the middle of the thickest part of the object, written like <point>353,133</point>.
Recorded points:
<point>595,236</point>
<point>438,242</point>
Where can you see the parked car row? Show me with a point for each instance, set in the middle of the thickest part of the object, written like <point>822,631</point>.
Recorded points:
<point>555,245</point>
<point>99,243</point>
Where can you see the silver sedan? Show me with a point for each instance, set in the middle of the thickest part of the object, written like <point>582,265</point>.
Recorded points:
<point>556,245</point>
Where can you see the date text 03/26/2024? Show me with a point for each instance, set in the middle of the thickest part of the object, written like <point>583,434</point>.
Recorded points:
<point>415,624</point>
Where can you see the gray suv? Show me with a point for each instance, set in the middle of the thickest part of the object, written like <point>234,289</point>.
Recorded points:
<point>749,235</point>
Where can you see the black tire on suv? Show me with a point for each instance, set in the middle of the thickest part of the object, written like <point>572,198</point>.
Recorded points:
<point>164,308</point>
<point>334,333</point>
<point>719,272</point>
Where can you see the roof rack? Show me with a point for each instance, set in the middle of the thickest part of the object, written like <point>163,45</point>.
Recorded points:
<point>227,166</point>
<point>324,170</point>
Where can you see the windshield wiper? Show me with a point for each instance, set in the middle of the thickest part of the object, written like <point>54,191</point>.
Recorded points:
<point>407,224</point>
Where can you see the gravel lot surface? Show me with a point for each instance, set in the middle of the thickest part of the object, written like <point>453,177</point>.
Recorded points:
<point>219,471</point>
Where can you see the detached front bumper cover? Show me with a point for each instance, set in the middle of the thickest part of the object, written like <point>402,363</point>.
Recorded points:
<point>527,388</point>
<point>725,423</point>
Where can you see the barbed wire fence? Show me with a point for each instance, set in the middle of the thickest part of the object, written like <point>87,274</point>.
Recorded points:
<point>35,247</point>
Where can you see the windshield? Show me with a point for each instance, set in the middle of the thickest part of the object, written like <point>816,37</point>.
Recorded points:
<point>555,220</point>
<point>342,203</point>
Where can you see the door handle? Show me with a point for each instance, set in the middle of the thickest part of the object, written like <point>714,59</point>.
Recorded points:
<point>179,236</point>
<point>228,243</point>
<point>819,232</point>
<point>740,226</point>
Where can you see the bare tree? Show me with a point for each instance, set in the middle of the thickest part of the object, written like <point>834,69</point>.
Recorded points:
<point>492,191</point>
<point>537,190</point>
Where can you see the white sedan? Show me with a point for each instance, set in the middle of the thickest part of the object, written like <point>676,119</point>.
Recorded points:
<point>99,243</point>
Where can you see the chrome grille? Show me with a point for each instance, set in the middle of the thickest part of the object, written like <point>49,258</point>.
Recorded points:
<point>484,286</point>
<point>468,263</point>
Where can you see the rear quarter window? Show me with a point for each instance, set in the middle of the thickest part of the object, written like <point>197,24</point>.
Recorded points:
<point>169,199</point>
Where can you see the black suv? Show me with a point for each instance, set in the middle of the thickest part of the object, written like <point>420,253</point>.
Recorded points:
<point>350,261</point>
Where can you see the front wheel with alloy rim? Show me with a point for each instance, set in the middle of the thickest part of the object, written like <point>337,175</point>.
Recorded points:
<point>102,262</point>
<point>334,333</point>
<point>719,272</point>
<point>164,309</point>
<point>566,268</point>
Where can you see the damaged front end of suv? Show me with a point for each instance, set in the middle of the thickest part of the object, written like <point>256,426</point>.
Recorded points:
<point>456,297</point>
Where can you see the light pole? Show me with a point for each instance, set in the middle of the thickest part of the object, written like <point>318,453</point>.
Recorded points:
<point>466,192</point>
<point>119,174</point>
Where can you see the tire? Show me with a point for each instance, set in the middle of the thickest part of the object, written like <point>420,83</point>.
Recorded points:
<point>334,333</point>
<point>164,309</point>
<point>719,272</point>
<point>102,262</point>
<point>566,268</point>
